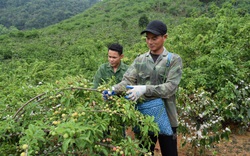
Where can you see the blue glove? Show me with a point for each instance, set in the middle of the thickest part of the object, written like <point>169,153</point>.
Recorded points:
<point>107,93</point>
<point>135,92</point>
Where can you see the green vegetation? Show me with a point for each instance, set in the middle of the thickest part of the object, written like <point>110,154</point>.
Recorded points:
<point>28,14</point>
<point>46,73</point>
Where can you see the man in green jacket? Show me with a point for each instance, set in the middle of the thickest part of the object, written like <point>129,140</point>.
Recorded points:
<point>152,76</point>
<point>114,68</point>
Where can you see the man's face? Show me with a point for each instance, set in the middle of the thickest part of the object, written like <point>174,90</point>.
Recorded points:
<point>155,42</point>
<point>114,58</point>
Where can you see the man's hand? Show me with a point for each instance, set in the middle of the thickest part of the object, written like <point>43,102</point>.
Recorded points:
<point>135,92</point>
<point>107,93</point>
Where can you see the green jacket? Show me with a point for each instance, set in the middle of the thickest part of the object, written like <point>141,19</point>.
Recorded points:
<point>105,73</point>
<point>161,81</point>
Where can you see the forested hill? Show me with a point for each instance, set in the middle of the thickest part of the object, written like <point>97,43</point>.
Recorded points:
<point>29,14</point>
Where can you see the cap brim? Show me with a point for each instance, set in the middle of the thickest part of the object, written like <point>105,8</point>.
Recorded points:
<point>151,31</point>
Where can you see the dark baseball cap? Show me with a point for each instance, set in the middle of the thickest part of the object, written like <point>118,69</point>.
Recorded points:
<point>156,27</point>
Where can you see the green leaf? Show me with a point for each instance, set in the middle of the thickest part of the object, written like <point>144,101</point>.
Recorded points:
<point>65,144</point>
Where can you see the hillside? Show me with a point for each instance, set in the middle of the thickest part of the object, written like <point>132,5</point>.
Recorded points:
<point>28,14</point>
<point>109,21</point>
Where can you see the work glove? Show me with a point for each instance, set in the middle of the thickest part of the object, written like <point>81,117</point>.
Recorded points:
<point>107,93</point>
<point>135,92</point>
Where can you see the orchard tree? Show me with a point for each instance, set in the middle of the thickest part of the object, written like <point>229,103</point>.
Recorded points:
<point>70,118</point>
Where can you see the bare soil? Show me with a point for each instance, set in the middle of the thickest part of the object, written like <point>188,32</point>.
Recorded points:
<point>237,145</point>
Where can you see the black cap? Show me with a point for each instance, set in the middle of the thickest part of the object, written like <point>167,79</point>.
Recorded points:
<point>156,27</point>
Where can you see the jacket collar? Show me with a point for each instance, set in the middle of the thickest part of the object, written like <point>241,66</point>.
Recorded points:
<point>163,54</point>
<point>121,66</point>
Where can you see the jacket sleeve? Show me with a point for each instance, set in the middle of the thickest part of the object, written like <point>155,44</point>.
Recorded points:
<point>129,78</point>
<point>169,88</point>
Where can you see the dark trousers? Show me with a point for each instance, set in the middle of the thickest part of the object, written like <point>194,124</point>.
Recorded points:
<point>168,144</point>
